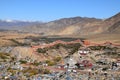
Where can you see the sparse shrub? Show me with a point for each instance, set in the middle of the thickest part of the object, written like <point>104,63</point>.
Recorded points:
<point>56,46</point>
<point>75,48</point>
<point>7,54</point>
<point>112,54</point>
<point>18,43</point>
<point>50,63</point>
<point>72,45</point>
<point>46,71</point>
<point>23,61</point>
<point>103,48</point>
<point>39,50</point>
<point>104,69</point>
<point>36,63</point>
<point>31,71</point>
<point>3,56</point>
<point>57,59</point>
<point>8,68</point>
<point>93,59</point>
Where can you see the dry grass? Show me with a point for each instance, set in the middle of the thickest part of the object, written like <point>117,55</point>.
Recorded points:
<point>6,36</point>
<point>115,38</point>
<point>100,38</point>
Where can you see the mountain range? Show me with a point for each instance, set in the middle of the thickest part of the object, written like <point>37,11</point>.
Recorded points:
<point>67,26</point>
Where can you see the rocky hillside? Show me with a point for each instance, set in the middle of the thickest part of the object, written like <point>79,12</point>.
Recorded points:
<point>60,50</point>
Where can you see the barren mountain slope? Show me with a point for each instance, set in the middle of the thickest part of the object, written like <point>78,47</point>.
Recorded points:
<point>77,26</point>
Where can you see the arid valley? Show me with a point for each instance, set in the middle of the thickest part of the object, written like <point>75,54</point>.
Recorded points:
<point>77,48</point>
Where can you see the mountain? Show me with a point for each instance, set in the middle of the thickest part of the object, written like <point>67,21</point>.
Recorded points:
<point>68,26</point>
<point>78,26</point>
<point>115,24</point>
<point>58,27</point>
<point>115,28</point>
<point>15,24</point>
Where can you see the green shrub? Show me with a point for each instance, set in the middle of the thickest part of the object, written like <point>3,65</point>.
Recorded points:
<point>23,61</point>
<point>39,50</point>
<point>75,48</point>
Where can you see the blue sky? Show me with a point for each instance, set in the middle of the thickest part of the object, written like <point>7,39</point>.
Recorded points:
<point>48,10</point>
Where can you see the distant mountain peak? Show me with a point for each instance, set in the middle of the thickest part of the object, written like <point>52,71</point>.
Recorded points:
<point>115,16</point>
<point>8,20</point>
<point>118,13</point>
